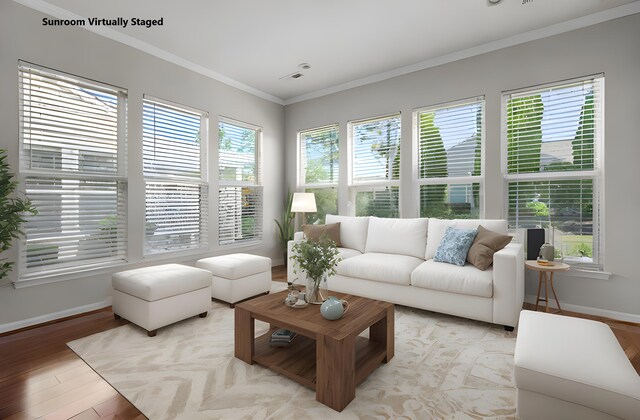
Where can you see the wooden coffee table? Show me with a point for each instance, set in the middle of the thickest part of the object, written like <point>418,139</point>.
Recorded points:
<point>327,356</point>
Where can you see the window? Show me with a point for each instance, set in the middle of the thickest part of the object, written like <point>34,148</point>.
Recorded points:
<point>375,166</point>
<point>553,168</point>
<point>450,178</point>
<point>240,194</point>
<point>174,161</point>
<point>319,168</point>
<point>72,150</point>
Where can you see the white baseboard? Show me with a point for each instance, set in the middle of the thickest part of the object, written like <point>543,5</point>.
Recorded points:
<point>41,319</point>
<point>620,316</point>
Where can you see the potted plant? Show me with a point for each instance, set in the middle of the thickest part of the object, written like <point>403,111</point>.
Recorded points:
<point>12,209</point>
<point>318,260</point>
<point>285,226</point>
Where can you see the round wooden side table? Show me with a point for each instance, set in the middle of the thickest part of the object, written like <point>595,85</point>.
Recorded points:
<point>545,274</point>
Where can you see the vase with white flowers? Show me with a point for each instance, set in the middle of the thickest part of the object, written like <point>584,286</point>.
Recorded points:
<point>318,260</point>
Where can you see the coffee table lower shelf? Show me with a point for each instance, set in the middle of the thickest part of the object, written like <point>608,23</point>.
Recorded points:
<point>297,361</point>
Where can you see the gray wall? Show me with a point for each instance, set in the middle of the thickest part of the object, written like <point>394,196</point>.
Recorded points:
<point>80,52</point>
<point>610,47</point>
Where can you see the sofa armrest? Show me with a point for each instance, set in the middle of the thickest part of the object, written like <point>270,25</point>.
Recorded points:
<point>508,284</point>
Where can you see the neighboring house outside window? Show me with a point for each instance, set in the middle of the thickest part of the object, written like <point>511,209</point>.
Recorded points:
<point>450,170</point>
<point>176,190</point>
<point>374,166</point>
<point>73,163</point>
<point>319,169</point>
<point>552,142</point>
<point>240,205</point>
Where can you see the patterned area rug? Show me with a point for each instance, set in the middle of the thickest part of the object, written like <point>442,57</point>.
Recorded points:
<point>444,367</point>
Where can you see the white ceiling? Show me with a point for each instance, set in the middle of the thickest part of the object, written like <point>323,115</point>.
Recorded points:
<point>251,44</point>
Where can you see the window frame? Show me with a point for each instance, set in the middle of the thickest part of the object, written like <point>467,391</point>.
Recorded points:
<point>418,181</point>
<point>596,175</point>
<point>301,169</point>
<point>259,237</point>
<point>201,182</point>
<point>45,274</point>
<point>354,187</point>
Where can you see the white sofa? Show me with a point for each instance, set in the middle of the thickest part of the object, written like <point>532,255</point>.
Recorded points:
<point>392,260</point>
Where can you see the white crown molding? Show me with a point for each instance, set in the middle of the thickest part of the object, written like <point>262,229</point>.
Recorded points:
<point>570,25</point>
<point>60,13</point>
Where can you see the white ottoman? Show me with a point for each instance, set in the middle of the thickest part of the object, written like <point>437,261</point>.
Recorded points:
<point>153,297</point>
<point>238,277</point>
<point>572,368</point>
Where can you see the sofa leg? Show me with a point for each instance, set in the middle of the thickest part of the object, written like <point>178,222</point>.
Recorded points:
<point>203,315</point>
<point>508,328</point>
<point>266,293</point>
<point>116,316</point>
<point>152,333</point>
<point>232,305</point>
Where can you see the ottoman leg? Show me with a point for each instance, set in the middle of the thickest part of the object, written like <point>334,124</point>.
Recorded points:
<point>203,315</point>
<point>152,333</point>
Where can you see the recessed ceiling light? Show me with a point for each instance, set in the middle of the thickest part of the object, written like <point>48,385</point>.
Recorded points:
<point>493,2</point>
<point>304,66</point>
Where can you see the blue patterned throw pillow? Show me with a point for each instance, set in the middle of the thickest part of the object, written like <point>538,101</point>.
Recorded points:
<point>455,245</point>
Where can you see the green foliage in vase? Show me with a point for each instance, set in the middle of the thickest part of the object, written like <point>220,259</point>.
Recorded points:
<point>12,209</point>
<point>316,258</point>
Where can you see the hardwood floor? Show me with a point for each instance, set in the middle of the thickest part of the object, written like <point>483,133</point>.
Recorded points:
<point>40,377</point>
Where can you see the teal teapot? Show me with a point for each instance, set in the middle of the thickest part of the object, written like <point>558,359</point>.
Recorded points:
<point>333,308</point>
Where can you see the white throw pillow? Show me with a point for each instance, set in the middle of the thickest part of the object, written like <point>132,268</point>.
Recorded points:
<point>437,228</point>
<point>397,236</point>
<point>353,230</point>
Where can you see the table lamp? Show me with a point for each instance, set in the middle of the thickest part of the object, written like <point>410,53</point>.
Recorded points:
<point>303,203</point>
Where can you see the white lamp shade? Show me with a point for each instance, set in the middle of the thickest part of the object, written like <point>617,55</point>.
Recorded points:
<point>303,203</point>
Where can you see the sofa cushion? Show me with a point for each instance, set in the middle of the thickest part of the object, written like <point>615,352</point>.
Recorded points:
<point>160,281</point>
<point>484,246</point>
<point>348,253</point>
<point>353,230</point>
<point>454,246</point>
<point>397,236</point>
<point>575,360</point>
<point>466,280</point>
<point>387,268</point>
<point>315,232</point>
<point>437,228</point>
<point>235,266</point>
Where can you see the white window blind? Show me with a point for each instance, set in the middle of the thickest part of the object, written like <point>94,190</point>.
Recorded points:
<point>174,161</point>
<point>375,166</point>
<point>240,197</point>
<point>553,169</point>
<point>376,149</point>
<point>73,138</point>
<point>450,178</point>
<point>319,169</point>
<point>377,201</point>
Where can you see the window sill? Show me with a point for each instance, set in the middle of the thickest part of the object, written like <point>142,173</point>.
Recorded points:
<point>585,274</point>
<point>116,266</point>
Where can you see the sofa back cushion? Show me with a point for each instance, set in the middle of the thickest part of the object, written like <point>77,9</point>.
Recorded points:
<point>437,228</point>
<point>397,236</point>
<point>353,230</point>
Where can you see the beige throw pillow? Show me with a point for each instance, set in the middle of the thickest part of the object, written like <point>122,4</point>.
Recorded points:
<point>314,232</point>
<point>484,246</point>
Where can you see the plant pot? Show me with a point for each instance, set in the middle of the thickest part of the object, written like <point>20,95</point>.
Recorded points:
<point>317,290</point>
